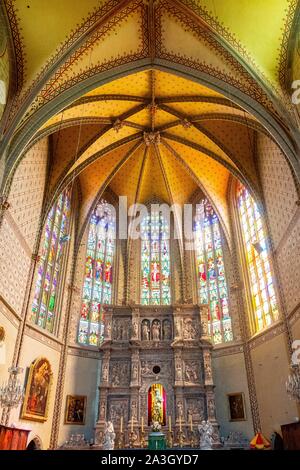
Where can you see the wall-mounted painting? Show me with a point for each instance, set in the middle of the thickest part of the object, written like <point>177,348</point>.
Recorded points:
<point>75,409</point>
<point>236,403</point>
<point>37,393</point>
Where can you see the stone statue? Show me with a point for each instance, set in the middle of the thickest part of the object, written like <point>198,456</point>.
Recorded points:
<point>134,410</point>
<point>207,367</point>
<point>206,432</point>
<point>135,371</point>
<point>167,329</point>
<point>178,327</point>
<point>105,372</point>
<point>102,410</point>
<point>178,370</point>
<point>211,408</point>
<point>180,409</point>
<point>109,436</point>
<point>145,331</point>
<point>156,331</point>
<point>135,329</point>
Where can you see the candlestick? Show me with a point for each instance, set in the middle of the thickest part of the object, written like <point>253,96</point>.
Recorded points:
<point>191,422</point>
<point>121,424</point>
<point>142,423</point>
<point>132,424</point>
<point>180,429</point>
<point>170,424</point>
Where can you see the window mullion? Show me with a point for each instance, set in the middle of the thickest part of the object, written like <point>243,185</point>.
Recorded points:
<point>45,267</point>
<point>55,259</point>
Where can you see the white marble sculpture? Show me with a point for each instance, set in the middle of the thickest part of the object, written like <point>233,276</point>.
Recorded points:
<point>109,436</point>
<point>206,432</point>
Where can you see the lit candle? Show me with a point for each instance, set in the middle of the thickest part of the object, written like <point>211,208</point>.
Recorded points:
<point>132,424</point>
<point>180,429</point>
<point>121,424</point>
<point>170,424</point>
<point>142,423</point>
<point>191,422</point>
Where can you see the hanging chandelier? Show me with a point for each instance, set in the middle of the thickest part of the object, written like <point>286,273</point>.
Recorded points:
<point>293,382</point>
<point>12,392</point>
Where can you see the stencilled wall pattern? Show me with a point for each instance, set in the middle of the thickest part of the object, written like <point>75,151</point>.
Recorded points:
<point>280,197</point>
<point>27,191</point>
<point>278,187</point>
<point>14,264</point>
<point>20,224</point>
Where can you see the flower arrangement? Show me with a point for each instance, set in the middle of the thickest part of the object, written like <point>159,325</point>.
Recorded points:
<point>156,427</point>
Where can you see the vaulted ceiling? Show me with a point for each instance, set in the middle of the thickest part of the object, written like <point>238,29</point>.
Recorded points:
<point>147,98</point>
<point>153,135</point>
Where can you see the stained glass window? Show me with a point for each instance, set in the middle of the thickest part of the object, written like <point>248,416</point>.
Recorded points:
<point>155,260</point>
<point>98,279</point>
<point>44,306</point>
<point>212,286</point>
<point>258,261</point>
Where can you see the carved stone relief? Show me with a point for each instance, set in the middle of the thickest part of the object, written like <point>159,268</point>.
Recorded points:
<point>121,329</point>
<point>191,371</point>
<point>190,330</point>
<point>195,408</point>
<point>119,373</point>
<point>147,368</point>
<point>118,408</point>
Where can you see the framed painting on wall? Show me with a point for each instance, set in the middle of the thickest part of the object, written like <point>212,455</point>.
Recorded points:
<point>236,402</point>
<point>37,392</point>
<point>75,409</point>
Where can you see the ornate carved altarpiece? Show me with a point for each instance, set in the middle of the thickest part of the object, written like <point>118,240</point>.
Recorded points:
<point>155,345</point>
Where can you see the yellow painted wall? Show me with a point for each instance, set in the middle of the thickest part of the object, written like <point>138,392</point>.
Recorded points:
<point>230,377</point>
<point>271,369</point>
<point>82,379</point>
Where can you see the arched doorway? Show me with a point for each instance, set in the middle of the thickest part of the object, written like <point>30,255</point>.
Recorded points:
<point>157,402</point>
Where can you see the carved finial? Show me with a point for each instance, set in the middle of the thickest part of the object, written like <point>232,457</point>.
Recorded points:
<point>118,124</point>
<point>152,108</point>
<point>186,123</point>
<point>152,138</point>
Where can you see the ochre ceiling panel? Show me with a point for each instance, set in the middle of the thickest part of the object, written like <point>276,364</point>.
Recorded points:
<point>192,134</point>
<point>136,84</point>
<point>181,184</point>
<point>66,146</point>
<point>152,181</point>
<point>212,176</point>
<point>167,84</point>
<point>241,142</point>
<point>106,109</point>
<point>99,172</point>
<point>110,137</point>
<point>126,180</point>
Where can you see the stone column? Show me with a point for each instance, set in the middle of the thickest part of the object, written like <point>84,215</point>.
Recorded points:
<point>210,394</point>
<point>102,405</point>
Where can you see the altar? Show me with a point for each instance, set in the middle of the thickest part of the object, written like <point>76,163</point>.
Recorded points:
<point>157,441</point>
<point>155,367</point>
